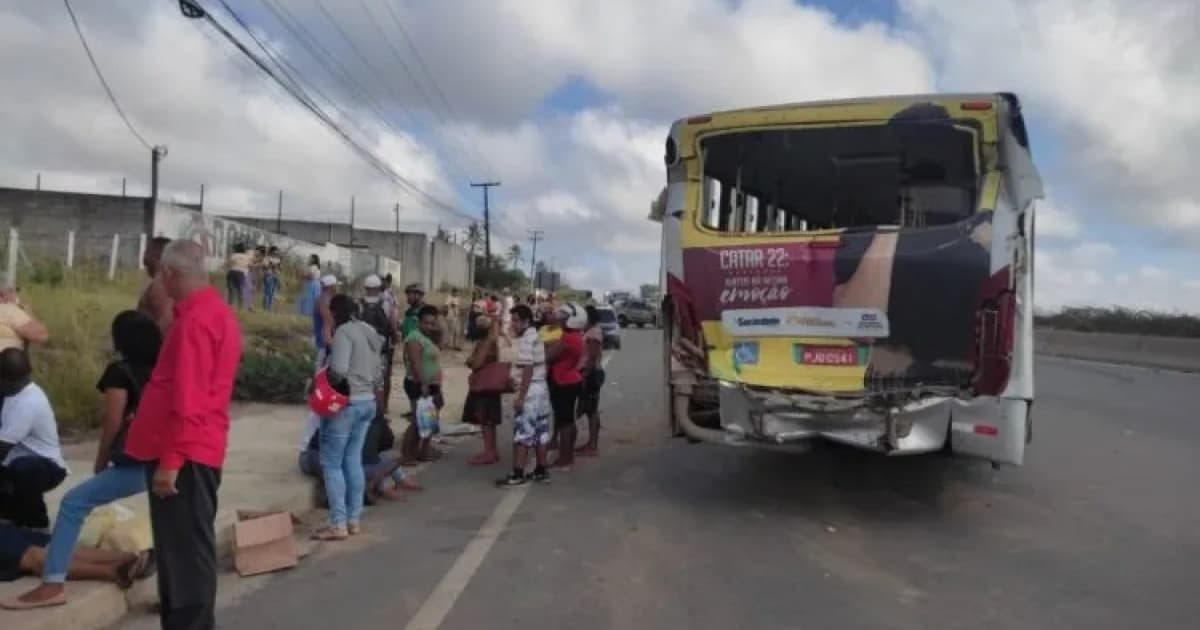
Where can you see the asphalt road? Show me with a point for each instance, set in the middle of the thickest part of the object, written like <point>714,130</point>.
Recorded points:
<point>1100,529</point>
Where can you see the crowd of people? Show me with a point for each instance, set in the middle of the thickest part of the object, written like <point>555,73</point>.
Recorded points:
<point>165,412</point>
<point>165,423</point>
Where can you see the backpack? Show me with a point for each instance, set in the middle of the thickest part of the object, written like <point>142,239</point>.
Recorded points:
<point>374,315</point>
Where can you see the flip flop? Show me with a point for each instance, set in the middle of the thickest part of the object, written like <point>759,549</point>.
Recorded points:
<point>140,568</point>
<point>16,604</point>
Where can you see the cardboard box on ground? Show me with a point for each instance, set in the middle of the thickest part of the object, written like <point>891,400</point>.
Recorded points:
<point>263,542</point>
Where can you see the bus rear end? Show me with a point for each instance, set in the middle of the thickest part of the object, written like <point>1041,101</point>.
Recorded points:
<point>856,271</point>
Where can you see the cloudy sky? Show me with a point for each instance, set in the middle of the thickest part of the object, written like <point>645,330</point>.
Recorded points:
<point>567,102</point>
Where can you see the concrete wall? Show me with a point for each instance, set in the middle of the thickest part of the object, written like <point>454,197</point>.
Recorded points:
<point>1171,353</point>
<point>44,218</point>
<point>218,235</point>
<point>425,261</point>
<point>449,266</point>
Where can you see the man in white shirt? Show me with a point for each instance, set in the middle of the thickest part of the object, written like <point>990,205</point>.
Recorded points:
<point>31,461</point>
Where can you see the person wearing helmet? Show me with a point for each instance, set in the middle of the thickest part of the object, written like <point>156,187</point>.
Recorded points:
<point>565,379</point>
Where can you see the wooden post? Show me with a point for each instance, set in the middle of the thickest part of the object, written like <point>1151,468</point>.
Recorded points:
<point>112,259</point>
<point>71,249</point>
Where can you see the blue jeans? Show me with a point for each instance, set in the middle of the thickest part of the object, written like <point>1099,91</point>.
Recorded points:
<point>113,483</point>
<point>270,288</point>
<point>342,439</point>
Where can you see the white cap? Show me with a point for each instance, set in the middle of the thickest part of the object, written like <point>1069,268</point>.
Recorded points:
<point>329,281</point>
<point>372,282</point>
<point>573,315</point>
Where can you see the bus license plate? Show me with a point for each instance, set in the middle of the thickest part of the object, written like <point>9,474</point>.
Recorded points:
<point>826,355</point>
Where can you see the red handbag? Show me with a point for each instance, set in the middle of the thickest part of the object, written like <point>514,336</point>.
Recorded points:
<point>492,378</point>
<point>326,401</point>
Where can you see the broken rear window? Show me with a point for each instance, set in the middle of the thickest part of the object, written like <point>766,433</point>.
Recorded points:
<point>904,173</point>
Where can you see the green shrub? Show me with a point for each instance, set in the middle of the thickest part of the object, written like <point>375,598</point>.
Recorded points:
<point>78,307</point>
<point>1122,320</point>
<point>266,376</point>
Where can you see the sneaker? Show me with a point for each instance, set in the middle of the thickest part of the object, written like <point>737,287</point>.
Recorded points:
<point>512,480</point>
<point>540,476</point>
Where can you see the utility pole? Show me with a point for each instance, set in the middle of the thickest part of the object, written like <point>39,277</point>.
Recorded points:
<point>156,155</point>
<point>279,214</point>
<point>487,223</point>
<point>351,220</point>
<point>201,197</point>
<point>535,236</point>
<point>396,210</point>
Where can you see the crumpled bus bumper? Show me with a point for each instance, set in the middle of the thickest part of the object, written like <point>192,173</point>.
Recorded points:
<point>793,421</point>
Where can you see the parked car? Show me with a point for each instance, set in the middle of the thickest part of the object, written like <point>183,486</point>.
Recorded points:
<point>609,327</point>
<point>636,313</point>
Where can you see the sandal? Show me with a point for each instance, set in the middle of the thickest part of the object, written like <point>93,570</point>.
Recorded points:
<point>140,568</point>
<point>354,529</point>
<point>331,534</point>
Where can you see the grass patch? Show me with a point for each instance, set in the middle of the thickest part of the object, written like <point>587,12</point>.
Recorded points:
<point>78,308</point>
<point>1123,321</point>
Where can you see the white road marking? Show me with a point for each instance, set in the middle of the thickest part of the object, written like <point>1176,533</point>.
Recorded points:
<point>439,603</point>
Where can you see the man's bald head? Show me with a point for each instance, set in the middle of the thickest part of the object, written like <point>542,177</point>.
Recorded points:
<point>183,268</point>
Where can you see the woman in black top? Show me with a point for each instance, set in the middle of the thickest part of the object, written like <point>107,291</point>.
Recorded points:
<point>137,340</point>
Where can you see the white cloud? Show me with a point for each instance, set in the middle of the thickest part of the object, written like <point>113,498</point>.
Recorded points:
<point>1055,221</point>
<point>1092,274</point>
<point>1116,78</point>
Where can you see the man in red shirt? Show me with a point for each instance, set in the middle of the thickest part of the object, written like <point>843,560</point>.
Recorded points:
<point>181,430</point>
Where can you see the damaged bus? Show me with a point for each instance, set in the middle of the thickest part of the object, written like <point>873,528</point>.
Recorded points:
<point>856,271</point>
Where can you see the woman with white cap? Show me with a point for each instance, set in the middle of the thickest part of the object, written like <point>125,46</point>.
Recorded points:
<point>563,359</point>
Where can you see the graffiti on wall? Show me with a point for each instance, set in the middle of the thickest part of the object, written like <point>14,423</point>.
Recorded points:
<point>218,236</point>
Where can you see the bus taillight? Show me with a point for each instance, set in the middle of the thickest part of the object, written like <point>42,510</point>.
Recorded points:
<point>976,106</point>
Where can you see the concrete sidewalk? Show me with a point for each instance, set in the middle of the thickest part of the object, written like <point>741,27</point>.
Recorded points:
<point>260,473</point>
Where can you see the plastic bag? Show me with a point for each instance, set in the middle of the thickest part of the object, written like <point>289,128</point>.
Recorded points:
<point>130,535</point>
<point>100,521</point>
<point>427,417</point>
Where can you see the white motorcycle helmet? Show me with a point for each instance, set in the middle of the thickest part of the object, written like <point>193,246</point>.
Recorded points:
<point>573,315</point>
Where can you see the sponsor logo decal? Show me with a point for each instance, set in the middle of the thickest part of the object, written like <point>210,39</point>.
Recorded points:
<point>745,353</point>
<point>757,321</point>
<point>806,321</point>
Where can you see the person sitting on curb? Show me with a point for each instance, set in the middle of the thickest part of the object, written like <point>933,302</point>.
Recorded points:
<point>137,339</point>
<point>29,448</point>
<point>376,469</point>
<point>23,552</point>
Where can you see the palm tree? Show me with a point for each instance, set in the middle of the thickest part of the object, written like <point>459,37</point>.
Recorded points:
<point>474,237</point>
<point>514,255</point>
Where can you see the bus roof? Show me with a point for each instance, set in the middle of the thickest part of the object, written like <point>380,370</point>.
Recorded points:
<point>898,100</point>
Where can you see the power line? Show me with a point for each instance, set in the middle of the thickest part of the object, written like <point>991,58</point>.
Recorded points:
<point>380,76</point>
<point>313,47</point>
<point>298,93</point>
<point>475,156</point>
<point>100,75</point>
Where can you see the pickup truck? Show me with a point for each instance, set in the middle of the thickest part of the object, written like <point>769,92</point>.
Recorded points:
<point>636,313</point>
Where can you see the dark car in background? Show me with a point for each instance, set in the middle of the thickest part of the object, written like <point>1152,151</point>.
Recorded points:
<point>609,326</point>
